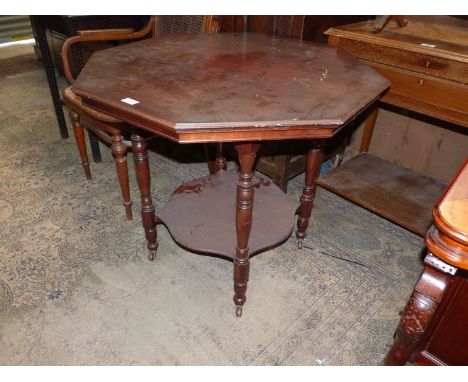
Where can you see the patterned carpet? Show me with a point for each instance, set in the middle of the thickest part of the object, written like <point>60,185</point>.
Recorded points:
<point>76,287</point>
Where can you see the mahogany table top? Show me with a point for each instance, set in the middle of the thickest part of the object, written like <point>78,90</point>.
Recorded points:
<point>229,87</point>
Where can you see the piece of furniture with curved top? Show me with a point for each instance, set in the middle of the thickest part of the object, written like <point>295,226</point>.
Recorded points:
<point>239,88</point>
<point>433,329</point>
<point>108,128</point>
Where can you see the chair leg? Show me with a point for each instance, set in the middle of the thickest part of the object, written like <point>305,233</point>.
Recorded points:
<point>80,142</point>
<point>94,143</point>
<point>119,150</point>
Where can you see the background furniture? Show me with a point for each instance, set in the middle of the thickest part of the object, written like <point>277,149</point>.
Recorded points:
<point>427,62</point>
<point>433,328</point>
<point>50,33</point>
<point>229,88</point>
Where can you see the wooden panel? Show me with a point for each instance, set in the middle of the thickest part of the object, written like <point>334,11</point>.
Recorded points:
<point>447,94</point>
<point>425,145</point>
<point>422,63</point>
<point>441,113</point>
<point>391,191</point>
<point>450,337</point>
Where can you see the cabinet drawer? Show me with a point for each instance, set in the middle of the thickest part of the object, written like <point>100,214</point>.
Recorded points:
<point>442,93</point>
<point>421,63</point>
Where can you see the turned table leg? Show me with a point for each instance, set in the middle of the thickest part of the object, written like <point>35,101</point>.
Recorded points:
<point>244,207</point>
<point>80,142</point>
<point>140,156</point>
<point>420,309</point>
<point>120,153</point>
<point>314,161</point>
<point>220,161</point>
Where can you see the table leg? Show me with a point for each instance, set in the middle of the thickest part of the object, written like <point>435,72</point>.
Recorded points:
<point>244,208</point>
<point>369,125</point>
<point>220,162</point>
<point>419,311</point>
<point>49,69</point>
<point>314,161</point>
<point>120,152</point>
<point>140,155</point>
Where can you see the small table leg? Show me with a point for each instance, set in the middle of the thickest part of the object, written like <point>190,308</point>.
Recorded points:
<point>314,161</point>
<point>148,217</point>
<point>245,196</point>
<point>220,161</point>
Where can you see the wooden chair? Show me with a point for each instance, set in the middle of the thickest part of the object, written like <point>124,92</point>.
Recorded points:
<point>107,128</point>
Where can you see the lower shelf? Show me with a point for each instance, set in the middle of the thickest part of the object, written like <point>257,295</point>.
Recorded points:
<point>201,215</point>
<point>393,192</point>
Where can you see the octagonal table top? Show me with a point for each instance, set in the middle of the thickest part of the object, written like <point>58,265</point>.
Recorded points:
<point>229,87</point>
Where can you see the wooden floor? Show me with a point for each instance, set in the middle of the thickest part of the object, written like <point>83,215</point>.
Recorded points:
<point>391,191</point>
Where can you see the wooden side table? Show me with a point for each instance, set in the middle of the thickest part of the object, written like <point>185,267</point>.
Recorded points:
<point>239,88</point>
<point>427,64</point>
<point>433,329</point>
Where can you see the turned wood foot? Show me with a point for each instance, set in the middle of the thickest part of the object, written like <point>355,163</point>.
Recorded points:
<point>119,150</point>
<point>314,161</point>
<point>244,207</point>
<point>300,243</point>
<point>80,142</point>
<point>148,217</point>
<point>419,310</point>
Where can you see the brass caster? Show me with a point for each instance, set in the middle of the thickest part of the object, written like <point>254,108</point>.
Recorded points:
<point>238,310</point>
<point>151,256</point>
<point>300,243</point>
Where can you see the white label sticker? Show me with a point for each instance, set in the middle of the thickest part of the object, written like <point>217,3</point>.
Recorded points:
<point>428,45</point>
<point>130,101</point>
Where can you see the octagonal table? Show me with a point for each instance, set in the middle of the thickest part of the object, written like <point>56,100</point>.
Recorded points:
<point>242,88</point>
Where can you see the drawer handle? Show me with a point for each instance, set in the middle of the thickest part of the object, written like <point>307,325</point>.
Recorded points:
<point>421,82</point>
<point>428,63</point>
